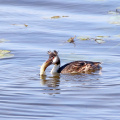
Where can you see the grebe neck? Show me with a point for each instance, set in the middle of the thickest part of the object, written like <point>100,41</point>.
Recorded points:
<point>55,68</point>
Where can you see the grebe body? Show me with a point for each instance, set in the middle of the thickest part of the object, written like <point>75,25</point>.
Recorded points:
<point>72,67</point>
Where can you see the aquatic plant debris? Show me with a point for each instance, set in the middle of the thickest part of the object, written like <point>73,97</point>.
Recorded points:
<point>4,51</point>
<point>115,22</point>
<point>65,16</point>
<point>3,40</point>
<point>56,17</point>
<point>117,35</point>
<point>25,25</point>
<point>83,37</point>
<point>71,40</point>
<point>115,18</point>
<point>98,39</point>
<point>117,11</point>
<point>5,54</point>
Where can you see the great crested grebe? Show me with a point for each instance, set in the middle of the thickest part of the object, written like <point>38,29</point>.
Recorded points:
<point>72,67</point>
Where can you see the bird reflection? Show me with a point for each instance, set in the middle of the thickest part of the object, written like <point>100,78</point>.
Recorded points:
<point>52,84</point>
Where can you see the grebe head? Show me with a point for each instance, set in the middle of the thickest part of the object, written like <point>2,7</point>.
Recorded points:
<point>53,56</point>
<point>53,59</point>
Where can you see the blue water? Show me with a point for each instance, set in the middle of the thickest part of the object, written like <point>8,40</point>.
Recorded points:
<point>24,94</point>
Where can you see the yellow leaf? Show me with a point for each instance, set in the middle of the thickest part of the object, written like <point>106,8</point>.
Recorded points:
<point>5,54</point>
<point>55,17</point>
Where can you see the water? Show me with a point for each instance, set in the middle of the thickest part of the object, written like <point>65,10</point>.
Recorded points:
<point>24,95</point>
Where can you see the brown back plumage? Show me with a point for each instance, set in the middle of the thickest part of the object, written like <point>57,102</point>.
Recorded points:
<point>80,67</point>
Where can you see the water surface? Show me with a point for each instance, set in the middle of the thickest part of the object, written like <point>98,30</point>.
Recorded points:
<point>24,95</point>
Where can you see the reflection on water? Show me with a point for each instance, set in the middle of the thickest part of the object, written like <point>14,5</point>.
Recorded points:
<point>52,83</point>
<point>70,80</point>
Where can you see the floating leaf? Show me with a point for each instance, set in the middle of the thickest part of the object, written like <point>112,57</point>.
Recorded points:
<point>5,54</point>
<point>3,40</point>
<point>25,25</point>
<point>102,37</point>
<point>117,35</point>
<point>55,17</point>
<point>100,41</point>
<point>65,16</point>
<point>83,38</point>
<point>115,22</point>
<point>4,51</point>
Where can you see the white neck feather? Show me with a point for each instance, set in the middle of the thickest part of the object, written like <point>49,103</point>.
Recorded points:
<point>55,69</point>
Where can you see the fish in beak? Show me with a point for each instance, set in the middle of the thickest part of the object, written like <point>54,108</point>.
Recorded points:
<point>45,65</point>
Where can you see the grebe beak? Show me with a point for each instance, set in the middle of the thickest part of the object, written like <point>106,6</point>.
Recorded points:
<point>48,62</point>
